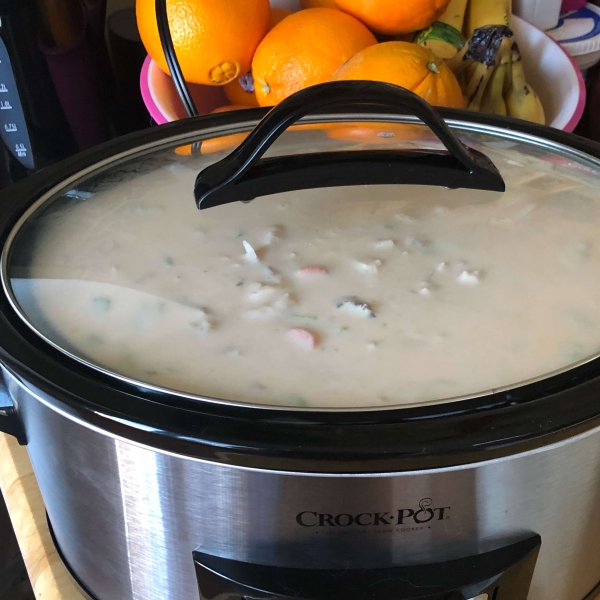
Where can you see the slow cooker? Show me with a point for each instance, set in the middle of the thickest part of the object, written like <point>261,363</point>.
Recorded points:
<point>157,489</point>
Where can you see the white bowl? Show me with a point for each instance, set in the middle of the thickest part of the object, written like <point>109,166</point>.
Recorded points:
<point>550,70</point>
<point>553,74</point>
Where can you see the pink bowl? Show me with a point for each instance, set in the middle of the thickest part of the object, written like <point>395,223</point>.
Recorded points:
<point>568,5</point>
<point>161,98</point>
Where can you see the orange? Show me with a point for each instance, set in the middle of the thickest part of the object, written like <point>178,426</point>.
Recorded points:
<point>378,133</point>
<point>305,49</point>
<point>318,4</point>
<point>410,66</point>
<point>241,91</point>
<point>224,142</point>
<point>214,39</point>
<point>395,16</point>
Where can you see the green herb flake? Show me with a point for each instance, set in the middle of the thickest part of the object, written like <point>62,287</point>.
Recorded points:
<point>342,330</point>
<point>239,234</point>
<point>169,261</point>
<point>94,340</point>
<point>101,304</point>
<point>299,400</point>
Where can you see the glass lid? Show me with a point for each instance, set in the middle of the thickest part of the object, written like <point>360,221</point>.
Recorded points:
<point>338,297</point>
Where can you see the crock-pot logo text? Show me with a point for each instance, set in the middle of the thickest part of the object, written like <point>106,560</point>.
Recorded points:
<point>401,516</point>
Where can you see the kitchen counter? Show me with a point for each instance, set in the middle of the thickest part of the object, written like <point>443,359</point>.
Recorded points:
<point>49,577</point>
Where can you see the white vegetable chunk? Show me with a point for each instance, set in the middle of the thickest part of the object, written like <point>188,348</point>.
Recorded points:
<point>354,306</point>
<point>371,268</point>
<point>250,252</point>
<point>469,277</point>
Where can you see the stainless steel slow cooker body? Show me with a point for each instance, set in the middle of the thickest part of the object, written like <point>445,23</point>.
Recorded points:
<point>136,480</point>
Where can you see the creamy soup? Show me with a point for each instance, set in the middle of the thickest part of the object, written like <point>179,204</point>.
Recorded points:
<point>345,297</point>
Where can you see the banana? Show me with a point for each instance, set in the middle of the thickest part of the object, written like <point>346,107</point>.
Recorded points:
<point>492,100</point>
<point>444,37</point>
<point>482,66</point>
<point>481,13</point>
<point>478,84</point>
<point>455,14</point>
<point>489,51</point>
<point>467,78</point>
<point>493,90</point>
<point>508,79</point>
<point>483,47</point>
<point>501,106</point>
<point>459,62</point>
<point>522,102</point>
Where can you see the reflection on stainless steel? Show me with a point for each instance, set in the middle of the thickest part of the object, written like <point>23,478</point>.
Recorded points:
<point>128,518</point>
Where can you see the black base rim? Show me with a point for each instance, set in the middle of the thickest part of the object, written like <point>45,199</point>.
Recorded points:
<point>594,594</point>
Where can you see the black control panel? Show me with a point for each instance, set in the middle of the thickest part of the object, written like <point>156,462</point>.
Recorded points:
<point>501,574</point>
<point>33,125</point>
<point>13,127</point>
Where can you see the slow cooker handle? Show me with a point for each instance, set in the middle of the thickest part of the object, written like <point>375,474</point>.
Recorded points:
<point>10,422</point>
<point>244,175</point>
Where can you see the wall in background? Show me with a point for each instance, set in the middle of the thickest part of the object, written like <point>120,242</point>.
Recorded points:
<point>119,5</point>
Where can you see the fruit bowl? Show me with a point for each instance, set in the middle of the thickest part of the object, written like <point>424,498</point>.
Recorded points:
<point>553,74</point>
<point>161,98</point>
<point>550,70</point>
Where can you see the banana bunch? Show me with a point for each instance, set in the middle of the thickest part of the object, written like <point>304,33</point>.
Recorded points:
<point>489,66</point>
<point>481,68</point>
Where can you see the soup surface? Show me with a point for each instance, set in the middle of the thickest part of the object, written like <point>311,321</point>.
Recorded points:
<point>346,297</point>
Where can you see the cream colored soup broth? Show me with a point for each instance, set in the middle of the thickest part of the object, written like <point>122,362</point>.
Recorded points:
<point>333,298</point>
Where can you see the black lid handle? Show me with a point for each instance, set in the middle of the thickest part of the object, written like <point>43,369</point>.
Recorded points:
<point>245,175</point>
